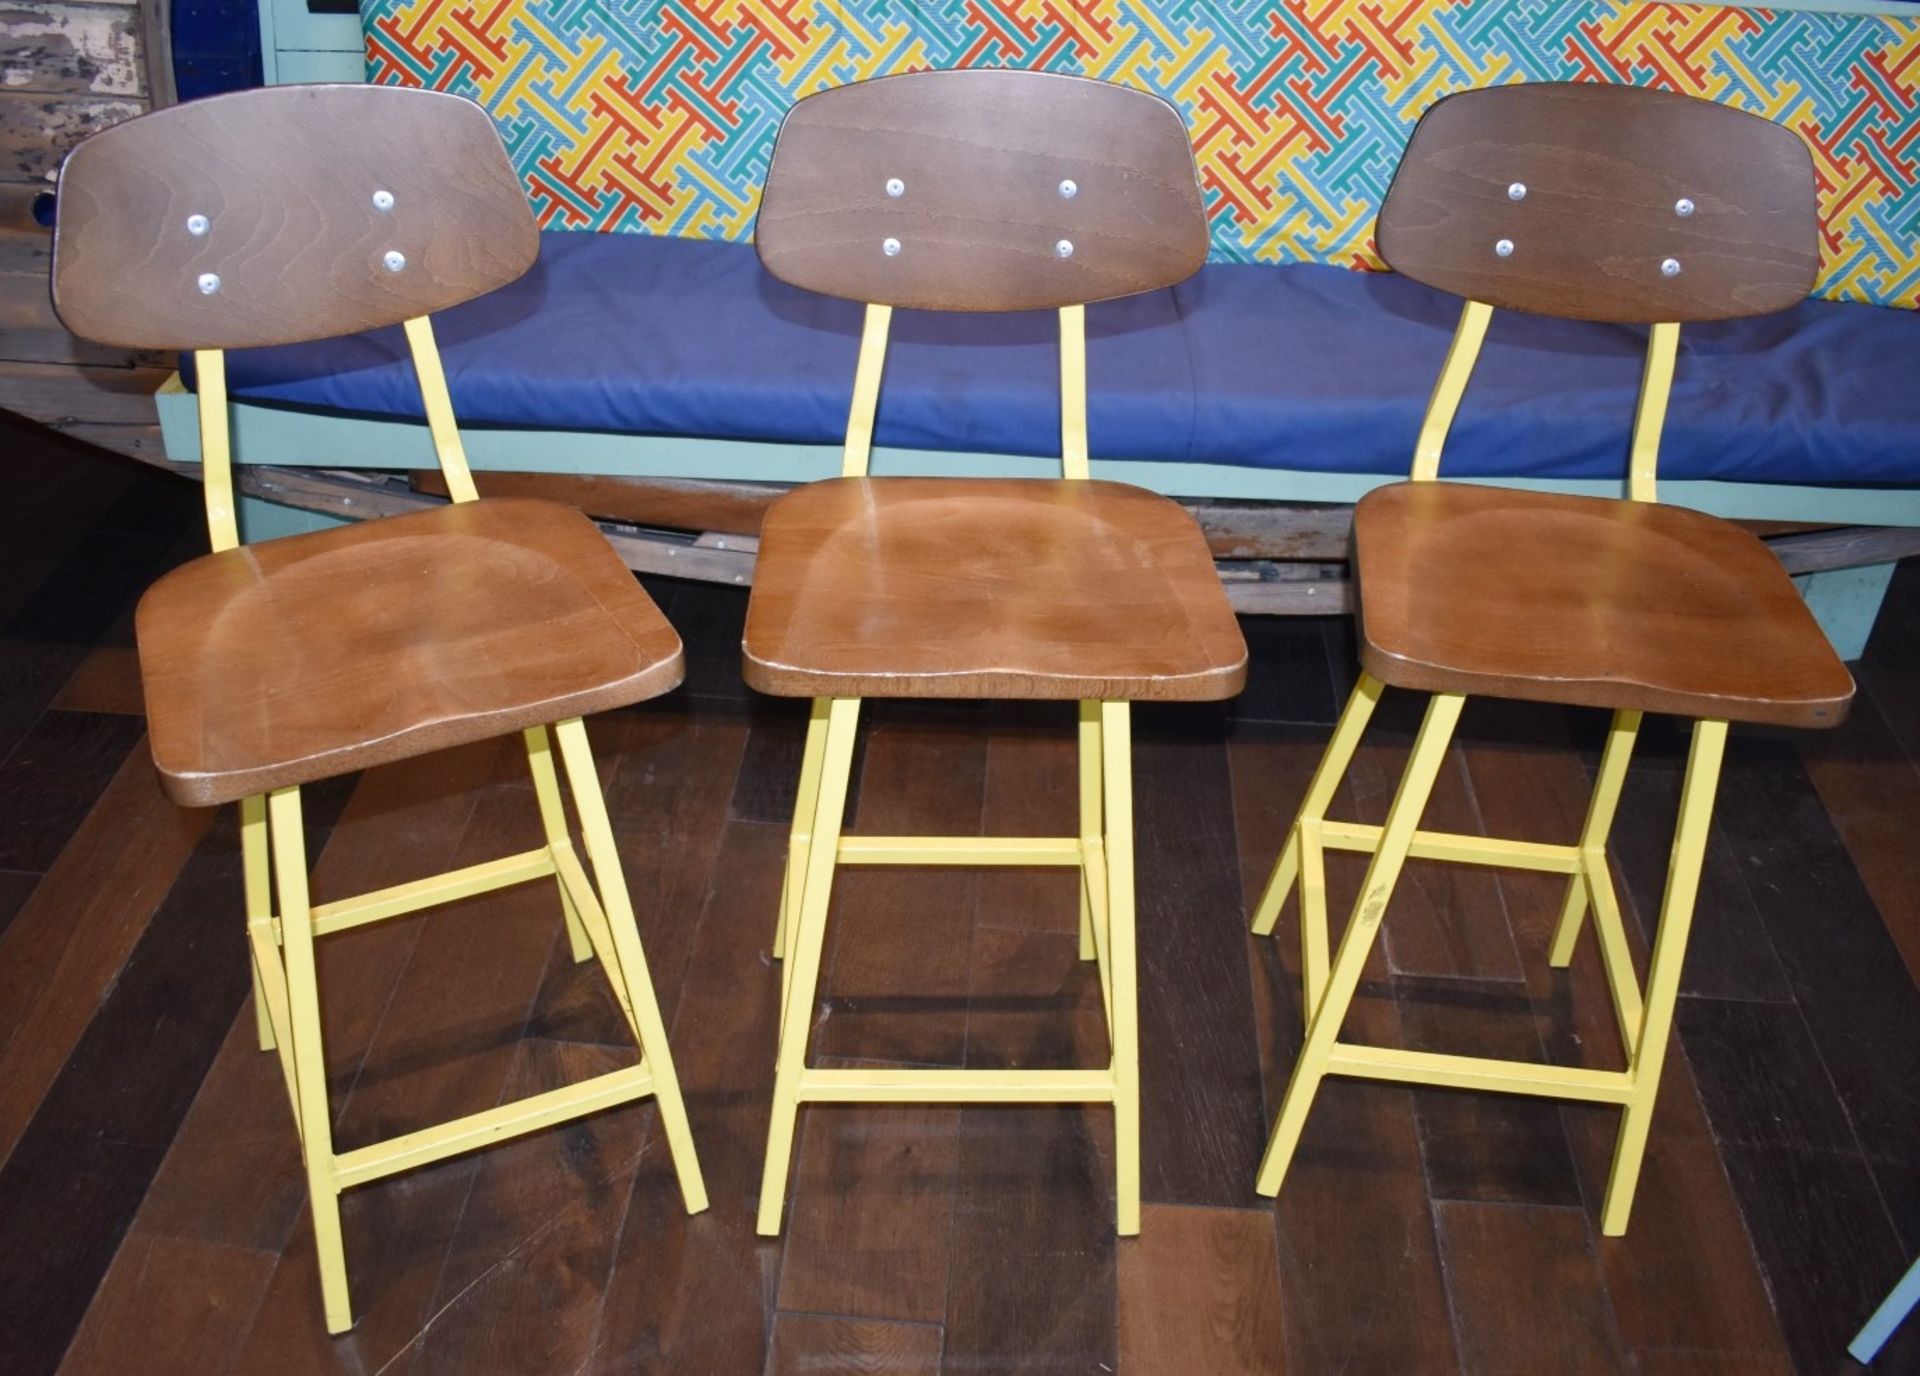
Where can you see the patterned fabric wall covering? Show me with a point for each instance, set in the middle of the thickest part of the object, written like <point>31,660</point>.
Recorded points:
<point>657,116</point>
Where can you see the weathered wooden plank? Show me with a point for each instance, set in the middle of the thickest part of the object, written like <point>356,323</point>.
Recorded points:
<point>1873,796</point>
<point>1844,547</point>
<point>30,332</point>
<point>1526,1289</point>
<point>1200,1123</point>
<point>156,50</point>
<point>1234,530</point>
<point>170,1307</point>
<point>1353,1219</point>
<point>869,1221</point>
<point>672,503</point>
<point>1685,1276</point>
<point>139,442</point>
<point>68,943</point>
<point>116,1103</point>
<point>1200,1292</point>
<point>71,49</point>
<point>1034,1190</point>
<point>539,1229</point>
<point>50,781</point>
<point>17,222</point>
<point>37,131</point>
<point>108,680</point>
<point>696,1294</point>
<point>807,1343</point>
<point>58,395</point>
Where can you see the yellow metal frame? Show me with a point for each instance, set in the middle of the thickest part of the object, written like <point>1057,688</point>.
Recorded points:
<point>597,911</point>
<point>1645,1018</point>
<point>1102,851</point>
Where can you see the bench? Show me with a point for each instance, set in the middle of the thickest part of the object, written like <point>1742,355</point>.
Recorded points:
<point>667,356</point>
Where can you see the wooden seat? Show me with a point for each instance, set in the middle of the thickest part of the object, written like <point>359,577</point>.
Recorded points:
<point>988,588</point>
<point>296,213</point>
<point>302,658</point>
<point>1593,202</point>
<point>1551,598</point>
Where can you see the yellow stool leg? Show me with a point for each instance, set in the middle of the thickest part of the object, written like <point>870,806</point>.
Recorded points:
<point>553,820</point>
<point>1396,838</point>
<point>1593,837</point>
<point>1663,975</point>
<point>808,925</point>
<point>604,854</point>
<point>309,1058</point>
<point>1116,739</point>
<point>1313,809</point>
<point>1090,815</point>
<point>804,803</point>
<point>259,887</point>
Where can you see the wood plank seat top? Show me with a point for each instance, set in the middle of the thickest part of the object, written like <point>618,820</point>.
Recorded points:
<point>1473,589</point>
<point>988,588</point>
<point>301,658</point>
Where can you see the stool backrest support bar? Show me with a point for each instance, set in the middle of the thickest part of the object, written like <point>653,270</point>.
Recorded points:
<point>981,190</point>
<point>1599,202</point>
<point>283,215</point>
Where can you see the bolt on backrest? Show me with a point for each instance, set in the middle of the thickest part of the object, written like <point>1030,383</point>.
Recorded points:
<point>1599,202</point>
<point>981,190</point>
<point>283,215</point>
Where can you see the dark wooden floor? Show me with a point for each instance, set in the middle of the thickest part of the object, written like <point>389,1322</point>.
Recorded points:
<point>152,1217</point>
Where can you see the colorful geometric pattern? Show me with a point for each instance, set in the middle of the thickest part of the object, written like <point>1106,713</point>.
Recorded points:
<point>657,116</point>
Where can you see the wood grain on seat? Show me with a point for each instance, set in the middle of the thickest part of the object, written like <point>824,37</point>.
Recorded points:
<point>305,657</point>
<point>962,173</point>
<point>1585,182</point>
<point>280,184</point>
<point>1551,598</point>
<point>988,588</point>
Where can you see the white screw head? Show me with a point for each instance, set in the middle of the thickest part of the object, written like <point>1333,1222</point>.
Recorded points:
<point>383,200</point>
<point>1670,267</point>
<point>890,247</point>
<point>394,259</point>
<point>1069,189</point>
<point>1517,191</point>
<point>209,283</point>
<point>1683,207</point>
<point>1504,248</point>
<point>197,225</point>
<point>1063,249</point>
<point>896,187</point>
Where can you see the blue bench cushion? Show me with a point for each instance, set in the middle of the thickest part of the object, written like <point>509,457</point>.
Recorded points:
<point>1298,367</point>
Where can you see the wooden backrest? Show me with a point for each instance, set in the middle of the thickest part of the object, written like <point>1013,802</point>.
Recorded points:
<point>285,214</point>
<point>1600,202</point>
<point>982,190</point>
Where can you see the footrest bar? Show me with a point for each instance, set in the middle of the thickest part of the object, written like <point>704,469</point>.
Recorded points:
<point>861,1086</point>
<point>959,850</point>
<point>1465,850</point>
<point>431,891</point>
<point>494,1125</point>
<point>1471,1072</point>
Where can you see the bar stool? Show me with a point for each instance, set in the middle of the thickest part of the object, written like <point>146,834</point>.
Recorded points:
<point>1596,203</point>
<point>297,213</point>
<point>979,191</point>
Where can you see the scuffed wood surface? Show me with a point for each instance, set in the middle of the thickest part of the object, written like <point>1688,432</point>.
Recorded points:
<point>91,49</point>
<point>37,130</point>
<point>61,395</point>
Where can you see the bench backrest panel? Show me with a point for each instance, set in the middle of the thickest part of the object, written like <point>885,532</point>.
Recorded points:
<point>285,214</point>
<point>982,191</point>
<point>1594,202</point>
<point>658,116</point>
